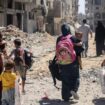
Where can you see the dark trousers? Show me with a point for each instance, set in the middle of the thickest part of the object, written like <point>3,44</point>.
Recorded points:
<point>70,80</point>
<point>99,47</point>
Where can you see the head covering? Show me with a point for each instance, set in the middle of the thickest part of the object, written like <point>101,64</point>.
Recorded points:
<point>99,24</point>
<point>65,29</point>
<point>100,31</point>
<point>84,21</point>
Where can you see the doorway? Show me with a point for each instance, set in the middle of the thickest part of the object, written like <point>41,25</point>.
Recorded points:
<point>10,4</point>
<point>19,20</point>
<point>9,19</point>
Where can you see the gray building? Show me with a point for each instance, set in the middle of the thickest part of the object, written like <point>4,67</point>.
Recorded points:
<point>38,15</point>
<point>60,11</point>
<point>95,10</point>
<point>25,14</point>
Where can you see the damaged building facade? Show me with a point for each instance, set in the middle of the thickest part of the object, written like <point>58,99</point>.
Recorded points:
<point>22,13</point>
<point>95,11</point>
<point>38,15</point>
<point>59,12</point>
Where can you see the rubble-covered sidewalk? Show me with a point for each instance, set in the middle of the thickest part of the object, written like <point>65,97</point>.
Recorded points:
<point>41,85</point>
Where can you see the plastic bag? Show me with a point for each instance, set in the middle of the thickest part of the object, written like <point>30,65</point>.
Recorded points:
<point>102,79</point>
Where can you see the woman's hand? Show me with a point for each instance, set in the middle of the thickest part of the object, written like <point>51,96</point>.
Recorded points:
<point>78,44</point>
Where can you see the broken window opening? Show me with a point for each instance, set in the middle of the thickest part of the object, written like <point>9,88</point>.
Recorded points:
<point>41,2</point>
<point>10,4</point>
<point>31,15</point>
<point>19,6</point>
<point>1,3</point>
<point>19,19</point>
<point>9,19</point>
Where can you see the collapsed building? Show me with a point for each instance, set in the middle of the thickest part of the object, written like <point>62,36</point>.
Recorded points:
<point>60,11</point>
<point>38,15</point>
<point>21,13</point>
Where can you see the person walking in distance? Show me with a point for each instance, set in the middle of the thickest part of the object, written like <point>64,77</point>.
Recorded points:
<point>85,29</point>
<point>100,38</point>
<point>19,60</point>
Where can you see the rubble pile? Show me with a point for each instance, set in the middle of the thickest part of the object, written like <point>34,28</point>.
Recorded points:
<point>41,44</point>
<point>11,30</point>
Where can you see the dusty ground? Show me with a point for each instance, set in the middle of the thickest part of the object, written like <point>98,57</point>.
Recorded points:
<point>39,83</point>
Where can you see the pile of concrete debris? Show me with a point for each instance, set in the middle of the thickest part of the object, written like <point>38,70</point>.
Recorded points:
<point>11,30</point>
<point>37,41</point>
<point>41,44</point>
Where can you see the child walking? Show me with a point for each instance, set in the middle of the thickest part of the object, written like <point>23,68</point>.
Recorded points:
<point>19,59</point>
<point>8,84</point>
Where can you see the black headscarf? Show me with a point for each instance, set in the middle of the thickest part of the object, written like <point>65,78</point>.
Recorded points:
<point>100,25</point>
<point>65,29</point>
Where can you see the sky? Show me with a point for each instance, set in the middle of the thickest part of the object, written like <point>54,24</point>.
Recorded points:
<point>82,6</point>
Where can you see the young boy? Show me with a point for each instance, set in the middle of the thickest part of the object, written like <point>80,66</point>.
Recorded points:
<point>8,84</point>
<point>79,49</point>
<point>19,60</point>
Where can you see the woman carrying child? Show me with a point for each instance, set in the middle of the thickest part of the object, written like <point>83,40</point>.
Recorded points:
<point>69,70</point>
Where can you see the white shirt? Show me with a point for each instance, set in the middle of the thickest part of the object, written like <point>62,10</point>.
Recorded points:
<point>85,29</point>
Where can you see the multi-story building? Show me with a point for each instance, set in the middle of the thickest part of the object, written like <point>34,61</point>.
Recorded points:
<point>95,10</point>
<point>61,11</point>
<point>38,15</point>
<point>22,13</point>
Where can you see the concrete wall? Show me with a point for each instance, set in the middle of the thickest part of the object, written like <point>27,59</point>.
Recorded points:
<point>31,27</point>
<point>61,12</point>
<point>57,8</point>
<point>57,26</point>
<point>31,23</point>
<point>69,7</point>
<point>29,7</point>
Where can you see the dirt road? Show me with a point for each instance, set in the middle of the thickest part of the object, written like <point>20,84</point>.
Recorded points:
<point>89,91</point>
<point>39,82</point>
